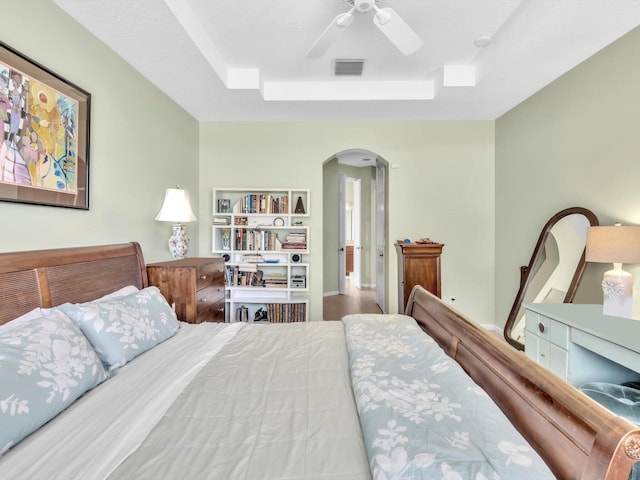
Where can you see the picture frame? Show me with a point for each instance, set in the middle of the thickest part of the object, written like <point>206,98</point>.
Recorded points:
<point>224,205</point>
<point>44,142</point>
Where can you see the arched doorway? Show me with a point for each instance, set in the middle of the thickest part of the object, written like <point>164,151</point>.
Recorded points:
<point>359,235</point>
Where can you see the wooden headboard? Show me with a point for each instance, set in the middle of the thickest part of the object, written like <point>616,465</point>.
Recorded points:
<point>576,437</point>
<point>46,278</point>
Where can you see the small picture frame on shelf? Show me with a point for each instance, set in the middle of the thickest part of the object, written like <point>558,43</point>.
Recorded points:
<point>224,205</point>
<point>225,236</point>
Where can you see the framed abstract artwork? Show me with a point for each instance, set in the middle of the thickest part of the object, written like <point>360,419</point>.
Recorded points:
<point>44,149</point>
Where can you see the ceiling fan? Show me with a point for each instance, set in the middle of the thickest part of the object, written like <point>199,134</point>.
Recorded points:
<point>386,19</point>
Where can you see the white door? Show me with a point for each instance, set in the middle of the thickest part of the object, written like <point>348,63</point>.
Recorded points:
<point>356,223</point>
<point>342,242</point>
<point>380,231</point>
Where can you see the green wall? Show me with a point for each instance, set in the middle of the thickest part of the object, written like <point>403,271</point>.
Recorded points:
<point>574,143</point>
<point>141,143</point>
<point>441,185</point>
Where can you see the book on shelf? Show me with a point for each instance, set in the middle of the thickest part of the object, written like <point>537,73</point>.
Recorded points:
<point>221,220</point>
<point>262,203</point>
<point>255,258</point>
<point>256,239</point>
<point>275,280</point>
<point>295,241</point>
<point>245,276</point>
<point>286,312</point>
<point>294,246</point>
<point>248,267</point>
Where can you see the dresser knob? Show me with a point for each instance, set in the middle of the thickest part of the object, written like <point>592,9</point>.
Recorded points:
<point>541,327</point>
<point>203,277</point>
<point>203,300</point>
<point>221,309</point>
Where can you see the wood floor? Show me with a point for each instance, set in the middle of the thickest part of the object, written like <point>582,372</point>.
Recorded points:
<point>356,300</point>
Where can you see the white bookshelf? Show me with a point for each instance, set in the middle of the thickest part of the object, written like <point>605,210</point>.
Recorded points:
<point>264,239</point>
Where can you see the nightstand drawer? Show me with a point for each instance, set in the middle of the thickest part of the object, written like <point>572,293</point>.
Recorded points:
<point>209,275</point>
<point>209,296</point>
<point>213,312</point>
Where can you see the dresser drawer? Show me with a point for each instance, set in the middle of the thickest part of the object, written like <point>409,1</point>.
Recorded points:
<point>553,358</point>
<point>548,329</point>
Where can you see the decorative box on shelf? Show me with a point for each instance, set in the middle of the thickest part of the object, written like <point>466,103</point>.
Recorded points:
<point>263,235</point>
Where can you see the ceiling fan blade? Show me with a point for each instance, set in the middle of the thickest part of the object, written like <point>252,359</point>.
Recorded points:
<point>397,30</point>
<point>337,26</point>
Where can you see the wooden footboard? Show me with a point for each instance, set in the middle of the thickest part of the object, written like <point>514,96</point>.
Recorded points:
<point>576,437</point>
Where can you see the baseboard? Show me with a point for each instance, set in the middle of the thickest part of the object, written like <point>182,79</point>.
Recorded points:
<point>330,294</point>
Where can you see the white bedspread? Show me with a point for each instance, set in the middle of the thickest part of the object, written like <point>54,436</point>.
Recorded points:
<point>276,403</point>
<point>90,439</point>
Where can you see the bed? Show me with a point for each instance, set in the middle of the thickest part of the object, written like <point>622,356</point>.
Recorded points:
<point>372,396</point>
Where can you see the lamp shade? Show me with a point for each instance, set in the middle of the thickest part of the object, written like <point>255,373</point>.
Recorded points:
<point>176,207</point>
<point>617,244</point>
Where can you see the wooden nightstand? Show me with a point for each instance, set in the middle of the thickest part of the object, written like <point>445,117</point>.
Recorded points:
<point>194,285</point>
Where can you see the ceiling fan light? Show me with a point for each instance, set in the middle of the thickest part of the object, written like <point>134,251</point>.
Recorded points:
<point>397,31</point>
<point>344,20</point>
<point>382,16</point>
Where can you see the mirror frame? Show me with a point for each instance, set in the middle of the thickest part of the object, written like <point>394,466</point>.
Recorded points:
<point>525,276</point>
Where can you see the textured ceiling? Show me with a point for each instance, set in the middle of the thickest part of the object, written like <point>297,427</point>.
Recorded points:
<point>245,60</point>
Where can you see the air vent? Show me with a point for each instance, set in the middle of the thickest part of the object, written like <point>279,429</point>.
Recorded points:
<point>348,67</point>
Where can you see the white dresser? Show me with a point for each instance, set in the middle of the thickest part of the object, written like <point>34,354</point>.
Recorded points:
<point>579,344</point>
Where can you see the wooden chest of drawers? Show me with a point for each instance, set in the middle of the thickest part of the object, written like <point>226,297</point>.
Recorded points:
<point>418,264</point>
<point>195,286</point>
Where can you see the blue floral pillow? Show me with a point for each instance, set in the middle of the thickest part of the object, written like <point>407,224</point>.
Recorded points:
<point>124,327</point>
<point>45,364</point>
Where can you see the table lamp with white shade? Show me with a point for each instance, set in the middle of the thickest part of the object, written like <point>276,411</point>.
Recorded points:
<point>177,209</point>
<point>617,245</point>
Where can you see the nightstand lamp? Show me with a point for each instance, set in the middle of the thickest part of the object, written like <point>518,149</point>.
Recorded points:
<point>177,209</point>
<point>615,245</point>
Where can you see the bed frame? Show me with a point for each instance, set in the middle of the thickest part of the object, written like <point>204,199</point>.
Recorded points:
<point>577,438</point>
<point>46,278</point>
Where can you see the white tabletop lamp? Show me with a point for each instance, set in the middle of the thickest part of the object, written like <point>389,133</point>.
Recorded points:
<point>615,245</point>
<point>177,209</point>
